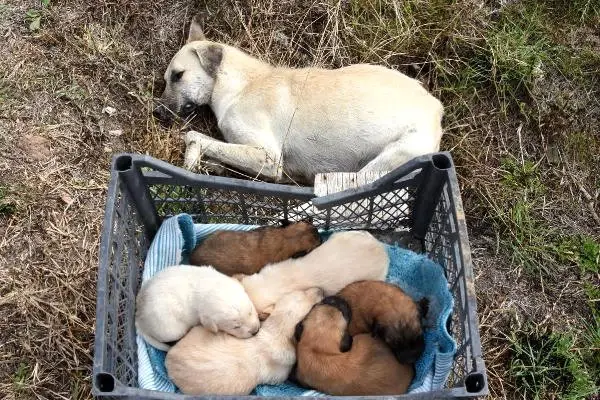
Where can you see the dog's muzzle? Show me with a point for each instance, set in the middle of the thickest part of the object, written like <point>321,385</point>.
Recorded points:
<point>161,113</point>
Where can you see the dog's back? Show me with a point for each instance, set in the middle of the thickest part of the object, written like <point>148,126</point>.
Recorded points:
<point>235,252</point>
<point>329,361</point>
<point>207,363</point>
<point>345,258</point>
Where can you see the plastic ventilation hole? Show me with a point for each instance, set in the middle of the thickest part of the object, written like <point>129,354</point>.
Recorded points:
<point>105,382</point>
<point>123,163</point>
<point>441,161</point>
<point>474,382</point>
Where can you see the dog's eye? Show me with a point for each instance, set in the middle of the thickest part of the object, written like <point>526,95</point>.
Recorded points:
<point>176,76</point>
<point>188,107</point>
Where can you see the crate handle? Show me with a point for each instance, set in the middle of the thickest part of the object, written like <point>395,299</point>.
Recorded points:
<point>438,162</point>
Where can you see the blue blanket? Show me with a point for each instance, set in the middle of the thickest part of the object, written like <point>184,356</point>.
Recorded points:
<point>417,275</point>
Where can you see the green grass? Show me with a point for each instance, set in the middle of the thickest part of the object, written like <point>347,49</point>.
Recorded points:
<point>565,365</point>
<point>21,377</point>
<point>7,206</point>
<point>548,365</point>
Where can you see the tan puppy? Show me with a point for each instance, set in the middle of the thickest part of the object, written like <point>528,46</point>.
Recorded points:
<point>219,364</point>
<point>280,122</point>
<point>333,362</point>
<point>386,311</point>
<point>236,252</point>
<point>180,297</point>
<point>345,258</point>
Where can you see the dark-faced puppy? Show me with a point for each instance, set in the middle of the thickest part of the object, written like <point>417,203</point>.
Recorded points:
<point>333,362</point>
<point>236,252</point>
<point>384,310</point>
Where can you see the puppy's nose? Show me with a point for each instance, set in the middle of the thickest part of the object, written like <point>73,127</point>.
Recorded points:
<point>255,331</point>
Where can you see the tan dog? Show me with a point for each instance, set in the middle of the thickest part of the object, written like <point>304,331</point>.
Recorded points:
<point>180,297</point>
<point>281,122</point>
<point>237,252</point>
<point>345,258</point>
<point>219,364</point>
<point>333,362</point>
<point>390,314</point>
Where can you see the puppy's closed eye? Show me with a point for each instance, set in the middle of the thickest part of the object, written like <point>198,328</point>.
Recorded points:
<point>298,331</point>
<point>300,254</point>
<point>346,343</point>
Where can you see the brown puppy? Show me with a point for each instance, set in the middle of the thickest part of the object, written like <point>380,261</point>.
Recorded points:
<point>333,362</point>
<point>384,310</point>
<point>235,252</point>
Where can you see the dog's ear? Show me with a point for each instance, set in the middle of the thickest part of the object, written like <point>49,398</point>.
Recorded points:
<point>346,343</point>
<point>210,58</point>
<point>298,331</point>
<point>196,33</point>
<point>263,315</point>
<point>211,326</point>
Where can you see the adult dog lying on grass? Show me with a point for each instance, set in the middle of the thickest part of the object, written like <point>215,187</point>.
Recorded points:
<point>283,123</point>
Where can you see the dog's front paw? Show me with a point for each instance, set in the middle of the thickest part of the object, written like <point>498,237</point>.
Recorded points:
<point>193,150</point>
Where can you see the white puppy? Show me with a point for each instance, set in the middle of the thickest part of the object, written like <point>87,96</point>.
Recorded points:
<point>181,297</point>
<point>283,122</point>
<point>219,364</point>
<point>345,258</point>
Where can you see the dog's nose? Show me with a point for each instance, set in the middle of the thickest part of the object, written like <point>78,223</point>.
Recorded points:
<point>255,331</point>
<point>160,113</point>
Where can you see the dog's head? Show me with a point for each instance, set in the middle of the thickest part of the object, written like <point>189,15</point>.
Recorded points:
<point>236,315</point>
<point>325,328</point>
<point>190,76</point>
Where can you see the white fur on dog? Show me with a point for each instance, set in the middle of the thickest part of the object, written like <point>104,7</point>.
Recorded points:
<point>219,364</point>
<point>345,258</point>
<point>181,297</point>
<point>280,122</point>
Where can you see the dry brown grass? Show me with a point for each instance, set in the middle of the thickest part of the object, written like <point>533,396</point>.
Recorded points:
<point>56,142</point>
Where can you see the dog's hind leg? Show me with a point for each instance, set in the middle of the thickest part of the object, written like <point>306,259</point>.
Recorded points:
<point>394,155</point>
<point>250,159</point>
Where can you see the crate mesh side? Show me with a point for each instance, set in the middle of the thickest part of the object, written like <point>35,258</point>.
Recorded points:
<point>441,244</point>
<point>386,211</point>
<point>128,246</point>
<point>390,210</point>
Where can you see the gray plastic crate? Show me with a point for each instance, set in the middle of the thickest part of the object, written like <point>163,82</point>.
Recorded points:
<point>417,204</point>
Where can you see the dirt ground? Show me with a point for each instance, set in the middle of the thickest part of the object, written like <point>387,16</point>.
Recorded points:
<point>77,81</point>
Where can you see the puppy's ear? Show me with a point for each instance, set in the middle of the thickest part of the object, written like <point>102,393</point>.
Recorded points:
<point>263,315</point>
<point>377,330</point>
<point>211,326</point>
<point>346,343</point>
<point>196,32</point>
<point>298,331</point>
<point>210,57</point>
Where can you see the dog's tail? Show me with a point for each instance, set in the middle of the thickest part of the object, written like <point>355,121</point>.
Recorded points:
<point>153,342</point>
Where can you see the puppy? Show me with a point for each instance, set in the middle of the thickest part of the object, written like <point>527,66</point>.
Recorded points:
<point>345,258</point>
<point>235,252</point>
<point>219,364</point>
<point>390,314</point>
<point>333,362</point>
<point>180,297</point>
